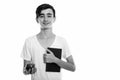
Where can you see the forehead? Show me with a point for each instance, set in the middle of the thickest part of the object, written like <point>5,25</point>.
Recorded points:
<point>45,11</point>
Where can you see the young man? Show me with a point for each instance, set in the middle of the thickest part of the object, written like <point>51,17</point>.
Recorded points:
<point>36,47</point>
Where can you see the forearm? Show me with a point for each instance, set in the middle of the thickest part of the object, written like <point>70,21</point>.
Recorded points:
<point>65,65</point>
<point>69,65</point>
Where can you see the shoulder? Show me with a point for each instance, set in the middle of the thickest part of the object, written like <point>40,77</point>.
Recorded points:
<point>30,38</point>
<point>61,38</point>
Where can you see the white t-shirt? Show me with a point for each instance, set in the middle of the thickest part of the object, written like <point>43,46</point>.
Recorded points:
<point>33,51</point>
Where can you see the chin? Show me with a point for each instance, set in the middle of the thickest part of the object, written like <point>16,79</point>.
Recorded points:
<point>46,27</point>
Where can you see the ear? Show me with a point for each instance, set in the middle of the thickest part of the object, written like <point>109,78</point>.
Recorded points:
<point>37,20</point>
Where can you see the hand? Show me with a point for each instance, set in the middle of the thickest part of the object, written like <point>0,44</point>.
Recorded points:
<point>25,71</point>
<point>30,69</point>
<point>49,57</point>
<point>34,69</point>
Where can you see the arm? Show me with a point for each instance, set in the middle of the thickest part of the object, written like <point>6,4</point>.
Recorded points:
<point>69,65</point>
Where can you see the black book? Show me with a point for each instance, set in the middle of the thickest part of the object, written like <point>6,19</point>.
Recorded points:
<point>53,67</point>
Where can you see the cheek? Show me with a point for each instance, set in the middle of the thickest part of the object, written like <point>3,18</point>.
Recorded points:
<point>51,19</point>
<point>40,20</point>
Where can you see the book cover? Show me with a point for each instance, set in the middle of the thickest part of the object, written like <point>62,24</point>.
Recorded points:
<point>53,67</point>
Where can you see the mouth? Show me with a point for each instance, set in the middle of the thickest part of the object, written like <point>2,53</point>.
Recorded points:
<point>45,23</point>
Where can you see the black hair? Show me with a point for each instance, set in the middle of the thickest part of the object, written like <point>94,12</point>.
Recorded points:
<point>43,7</point>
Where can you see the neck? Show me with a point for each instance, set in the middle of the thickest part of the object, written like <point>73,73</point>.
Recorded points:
<point>46,33</point>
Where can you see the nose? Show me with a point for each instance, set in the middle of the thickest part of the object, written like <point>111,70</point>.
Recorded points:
<point>45,18</point>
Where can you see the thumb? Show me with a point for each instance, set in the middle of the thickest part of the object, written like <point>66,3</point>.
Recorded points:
<point>49,52</point>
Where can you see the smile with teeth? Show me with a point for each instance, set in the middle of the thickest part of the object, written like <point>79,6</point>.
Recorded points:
<point>45,23</point>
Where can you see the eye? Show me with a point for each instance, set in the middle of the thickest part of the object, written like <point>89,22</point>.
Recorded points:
<point>49,16</point>
<point>41,16</point>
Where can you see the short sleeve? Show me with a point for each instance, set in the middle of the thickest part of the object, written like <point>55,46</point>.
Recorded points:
<point>66,50</point>
<point>26,52</point>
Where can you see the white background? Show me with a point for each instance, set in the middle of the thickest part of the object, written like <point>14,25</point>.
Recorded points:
<point>91,28</point>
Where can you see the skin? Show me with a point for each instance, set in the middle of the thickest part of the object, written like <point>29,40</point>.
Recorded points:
<point>46,38</point>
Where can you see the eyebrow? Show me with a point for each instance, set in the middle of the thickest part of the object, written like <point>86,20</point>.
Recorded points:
<point>49,14</point>
<point>41,14</point>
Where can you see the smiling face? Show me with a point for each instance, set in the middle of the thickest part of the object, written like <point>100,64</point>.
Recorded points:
<point>46,18</point>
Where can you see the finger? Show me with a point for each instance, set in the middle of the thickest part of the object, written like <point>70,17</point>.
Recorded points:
<point>25,71</point>
<point>33,70</point>
<point>44,55</point>
<point>49,51</point>
<point>44,58</point>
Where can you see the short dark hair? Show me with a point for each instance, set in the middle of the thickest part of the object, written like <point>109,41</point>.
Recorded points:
<point>43,7</point>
